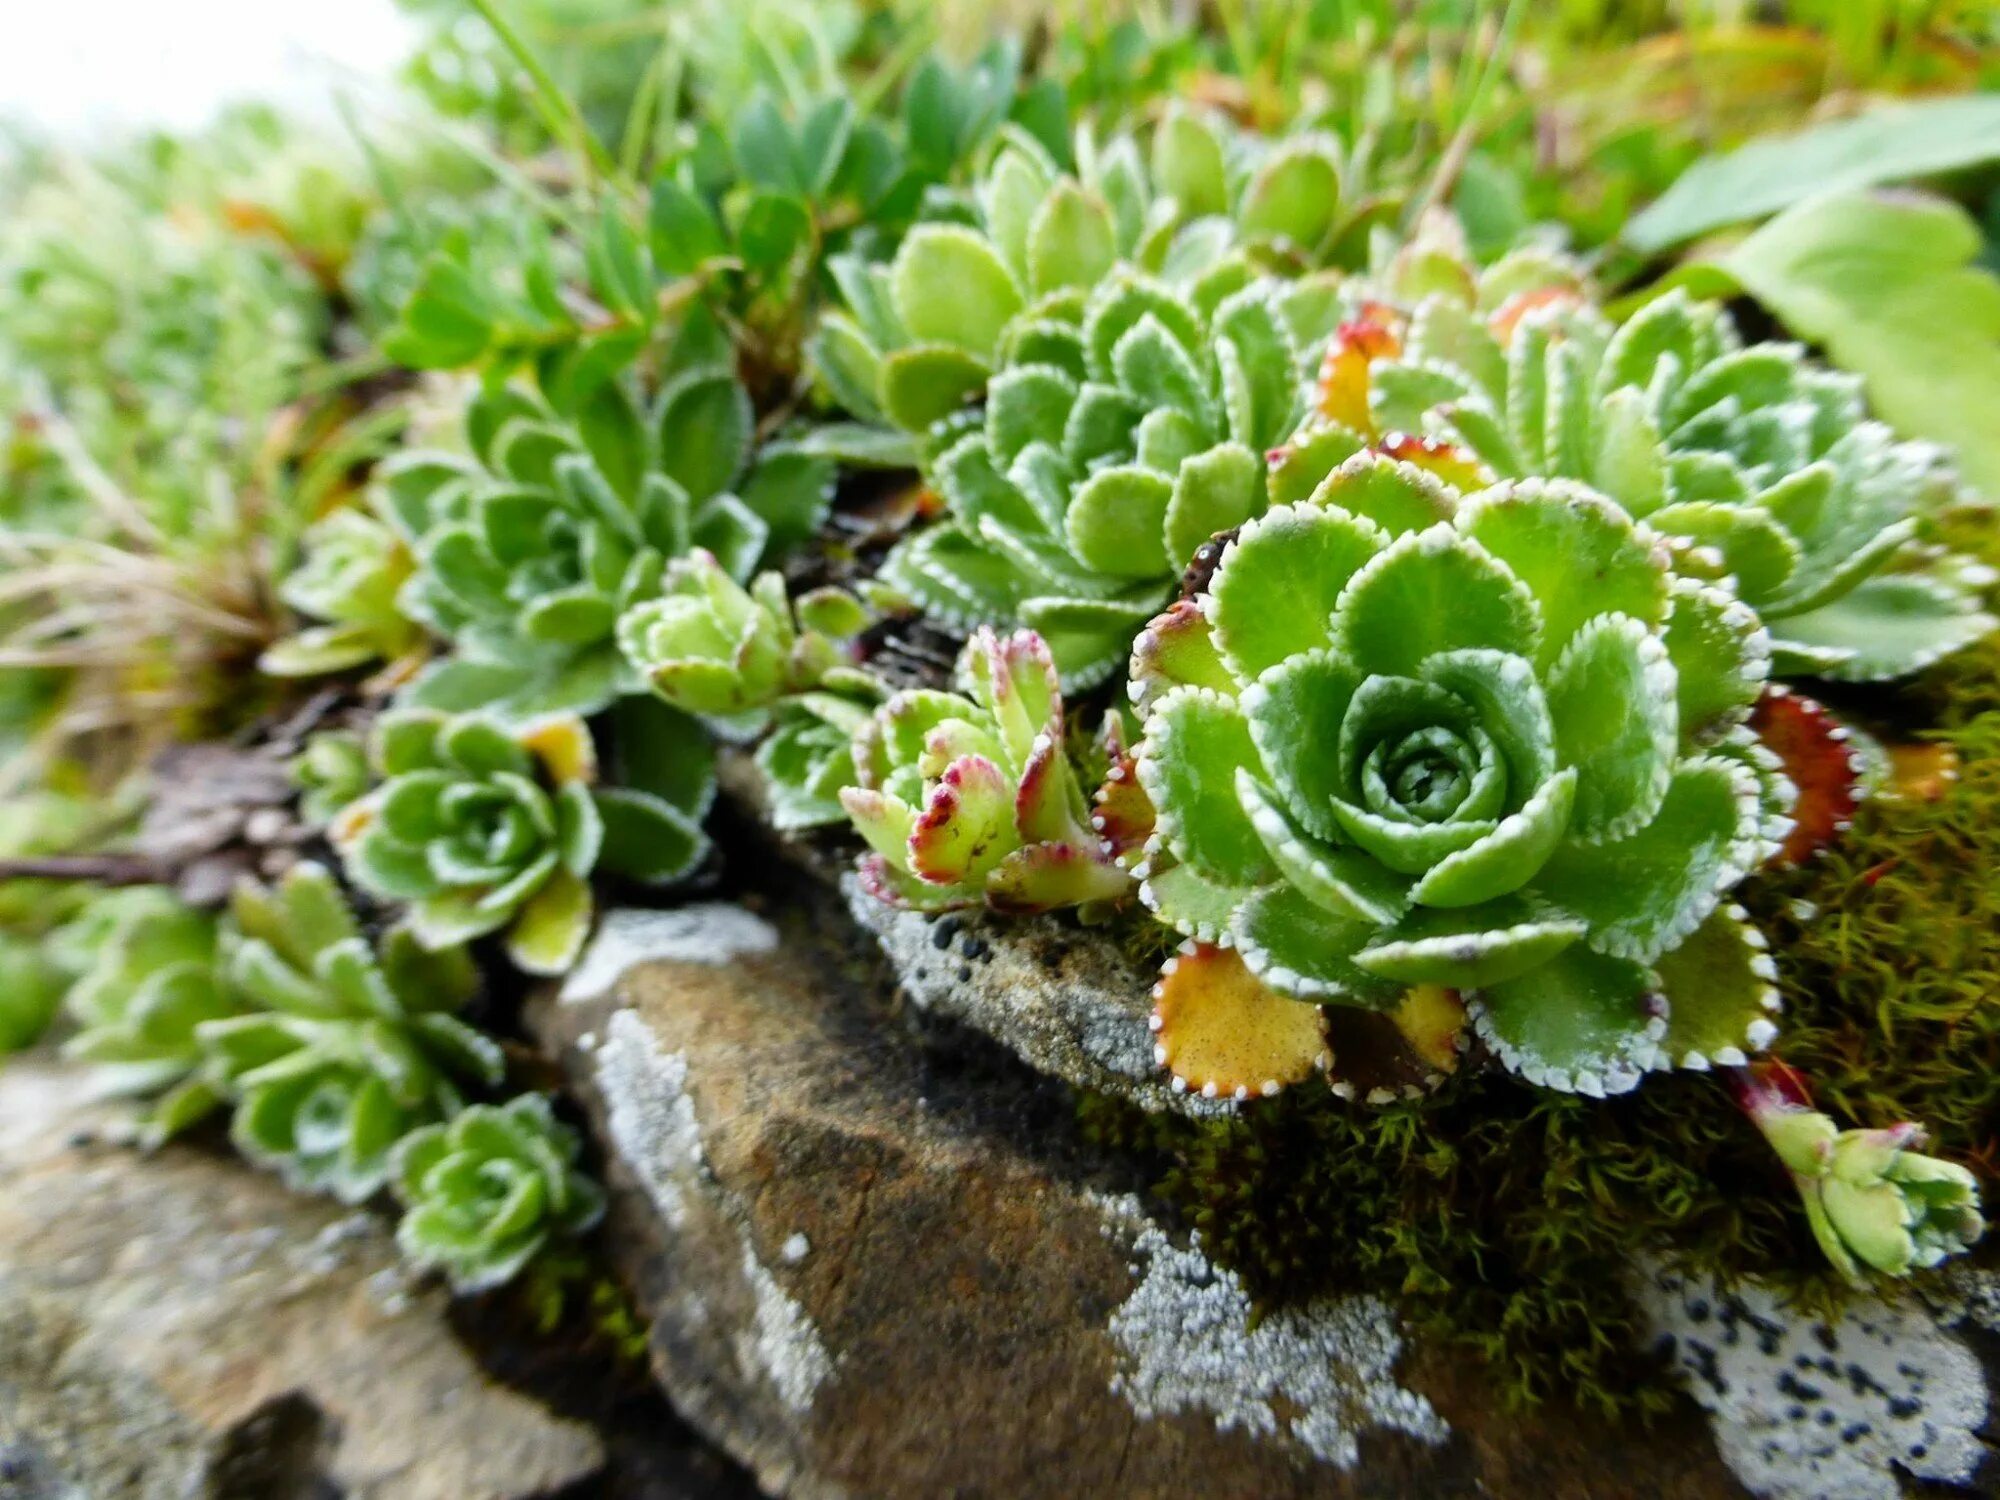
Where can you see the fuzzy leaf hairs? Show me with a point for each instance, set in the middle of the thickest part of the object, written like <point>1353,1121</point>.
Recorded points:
<point>972,797</point>
<point>920,336</point>
<point>1758,464</point>
<point>485,828</point>
<point>353,1043</point>
<point>1393,745</point>
<point>486,1191</point>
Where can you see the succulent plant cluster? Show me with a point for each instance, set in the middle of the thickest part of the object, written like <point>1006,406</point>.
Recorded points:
<point>344,1059</point>
<point>533,544</point>
<point>353,572</point>
<point>151,985</point>
<point>919,336</point>
<point>347,1045</point>
<point>1758,465</point>
<point>1392,744</point>
<point>1430,613</point>
<point>480,828</point>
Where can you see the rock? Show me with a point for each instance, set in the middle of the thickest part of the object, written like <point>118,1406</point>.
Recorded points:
<point>181,1326</point>
<point>1065,999</point>
<point>1803,1409</point>
<point>879,1267</point>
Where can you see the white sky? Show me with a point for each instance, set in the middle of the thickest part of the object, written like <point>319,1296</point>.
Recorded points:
<point>80,68</point>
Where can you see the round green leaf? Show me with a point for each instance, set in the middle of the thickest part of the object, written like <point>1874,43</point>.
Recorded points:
<point>950,288</point>
<point>1195,740</point>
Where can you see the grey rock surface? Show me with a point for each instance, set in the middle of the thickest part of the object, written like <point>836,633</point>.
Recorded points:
<point>874,1267</point>
<point>179,1327</point>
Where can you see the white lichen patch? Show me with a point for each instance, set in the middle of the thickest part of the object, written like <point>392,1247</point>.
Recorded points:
<point>1810,1411</point>
<point>781,1340</point>
<point>650,1117</point>
<point>1322,1374</point>
<point>1068,1003</point>
<point>712,933</point>
<point>654,1131</point>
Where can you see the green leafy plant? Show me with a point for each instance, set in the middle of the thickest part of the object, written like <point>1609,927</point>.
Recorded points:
<point>353,1044</point>
<point>751,660</point>
<point>1101,464</point>
<point>488,1190</point>
<point>970,798</point>
<point>354,568</point>
<point>152,982</point>
<point>1758,464</point>
<point>709,646</point>
<point>1872,1198</point>
<point>1394,744</point>
<point>331,772</point>
<point>482,829</point>
<point>921,335</point>
<point>534,544</point>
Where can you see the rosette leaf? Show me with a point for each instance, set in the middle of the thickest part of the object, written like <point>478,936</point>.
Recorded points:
<point>355,567</point>
<point>1874,1200</point>
<point>153,980</point>
<point>1761,466</point>
<point>533,544</point>
<point>1212,207</point>
<point>31,991</point>
<point>482,828</point>
<point>485,1191</point>
<point>1406,738</point>
<point>970,797</point>
<point>353,1045</point>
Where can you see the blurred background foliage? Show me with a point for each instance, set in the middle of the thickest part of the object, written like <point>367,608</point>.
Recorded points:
<point>206,340</point>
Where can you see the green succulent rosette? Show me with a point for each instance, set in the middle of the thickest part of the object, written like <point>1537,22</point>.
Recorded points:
<point>755,660</point>
<point>708,646</point>
<point>972,797</point>
<point>151,982</point>
<point>533,544</point>
<point>1202,213</point>
<point>484,1192</point>
<point>330,772</point>
<point>482,828</point>
<point>1757,463</point>
<point>1488,743</point>
<point>1079,493</point>
<point>354,569</point>
<point>353,1045</point>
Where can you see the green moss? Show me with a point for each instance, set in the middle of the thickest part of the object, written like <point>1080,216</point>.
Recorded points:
<point>1506,1219</point>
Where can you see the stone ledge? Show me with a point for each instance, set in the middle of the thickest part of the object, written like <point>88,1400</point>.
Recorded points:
<point>177,1325</point>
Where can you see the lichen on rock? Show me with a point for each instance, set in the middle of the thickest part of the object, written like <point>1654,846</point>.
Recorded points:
<point>1804,1409</point>
<point>1320,1374</point>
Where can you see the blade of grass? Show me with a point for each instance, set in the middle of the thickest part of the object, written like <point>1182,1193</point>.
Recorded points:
<point>558,111</point>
